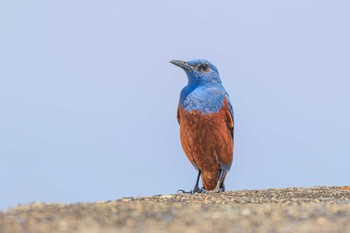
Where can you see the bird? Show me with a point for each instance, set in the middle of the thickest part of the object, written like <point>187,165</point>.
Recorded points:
<point>206,119</point>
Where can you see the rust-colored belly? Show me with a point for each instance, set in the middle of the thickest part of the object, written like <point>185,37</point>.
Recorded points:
<point>207,142</point>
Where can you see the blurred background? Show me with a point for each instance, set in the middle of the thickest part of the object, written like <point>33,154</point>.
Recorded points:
<point>88,97</point>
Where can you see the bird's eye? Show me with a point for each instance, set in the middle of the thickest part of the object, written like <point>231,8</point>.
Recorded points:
<point>203,67</point>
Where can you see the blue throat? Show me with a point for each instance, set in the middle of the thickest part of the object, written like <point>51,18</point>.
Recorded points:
<point>204,91</point>
<point>203,98</point>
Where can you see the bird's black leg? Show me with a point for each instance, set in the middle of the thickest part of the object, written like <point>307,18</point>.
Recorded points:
<point>196,188</point>
<point>220,188</point>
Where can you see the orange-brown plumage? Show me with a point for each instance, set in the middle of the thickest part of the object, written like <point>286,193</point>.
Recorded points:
<point>207,140</point>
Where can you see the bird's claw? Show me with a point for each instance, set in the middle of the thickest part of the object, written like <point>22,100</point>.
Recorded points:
<point>195,190</point>
<point>219,190</point>
<point>183,191</point>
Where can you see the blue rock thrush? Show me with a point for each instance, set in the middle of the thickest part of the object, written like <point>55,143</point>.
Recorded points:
<point>205,115</point>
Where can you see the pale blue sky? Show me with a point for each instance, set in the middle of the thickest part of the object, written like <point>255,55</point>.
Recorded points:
<point>88,97</point>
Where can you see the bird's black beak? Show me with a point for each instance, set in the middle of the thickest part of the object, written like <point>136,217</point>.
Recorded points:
<point>184,65</point>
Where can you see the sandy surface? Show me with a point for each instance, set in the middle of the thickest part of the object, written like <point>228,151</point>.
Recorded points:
<point>315,209</point>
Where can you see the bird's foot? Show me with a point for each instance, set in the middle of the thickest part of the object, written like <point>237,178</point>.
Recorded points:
<point>202,190</point>
<point>195,190</point>
<point>198,190</point>
<point>219,190</point>
<point>183,191</point>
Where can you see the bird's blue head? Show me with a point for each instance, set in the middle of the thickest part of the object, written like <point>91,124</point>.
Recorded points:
<point>199,71</point>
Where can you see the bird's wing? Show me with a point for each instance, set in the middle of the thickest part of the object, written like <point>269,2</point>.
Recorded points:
<point>224,152</point>
<point>230,116</point>
<point>178,115</point>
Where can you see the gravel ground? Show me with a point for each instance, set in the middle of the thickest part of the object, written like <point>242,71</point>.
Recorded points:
<point>315,209</point>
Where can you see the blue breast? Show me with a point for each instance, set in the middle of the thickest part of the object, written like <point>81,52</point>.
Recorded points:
<point>207,98</point>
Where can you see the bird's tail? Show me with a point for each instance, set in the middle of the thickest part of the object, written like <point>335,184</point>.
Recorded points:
<point>210,180</point>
